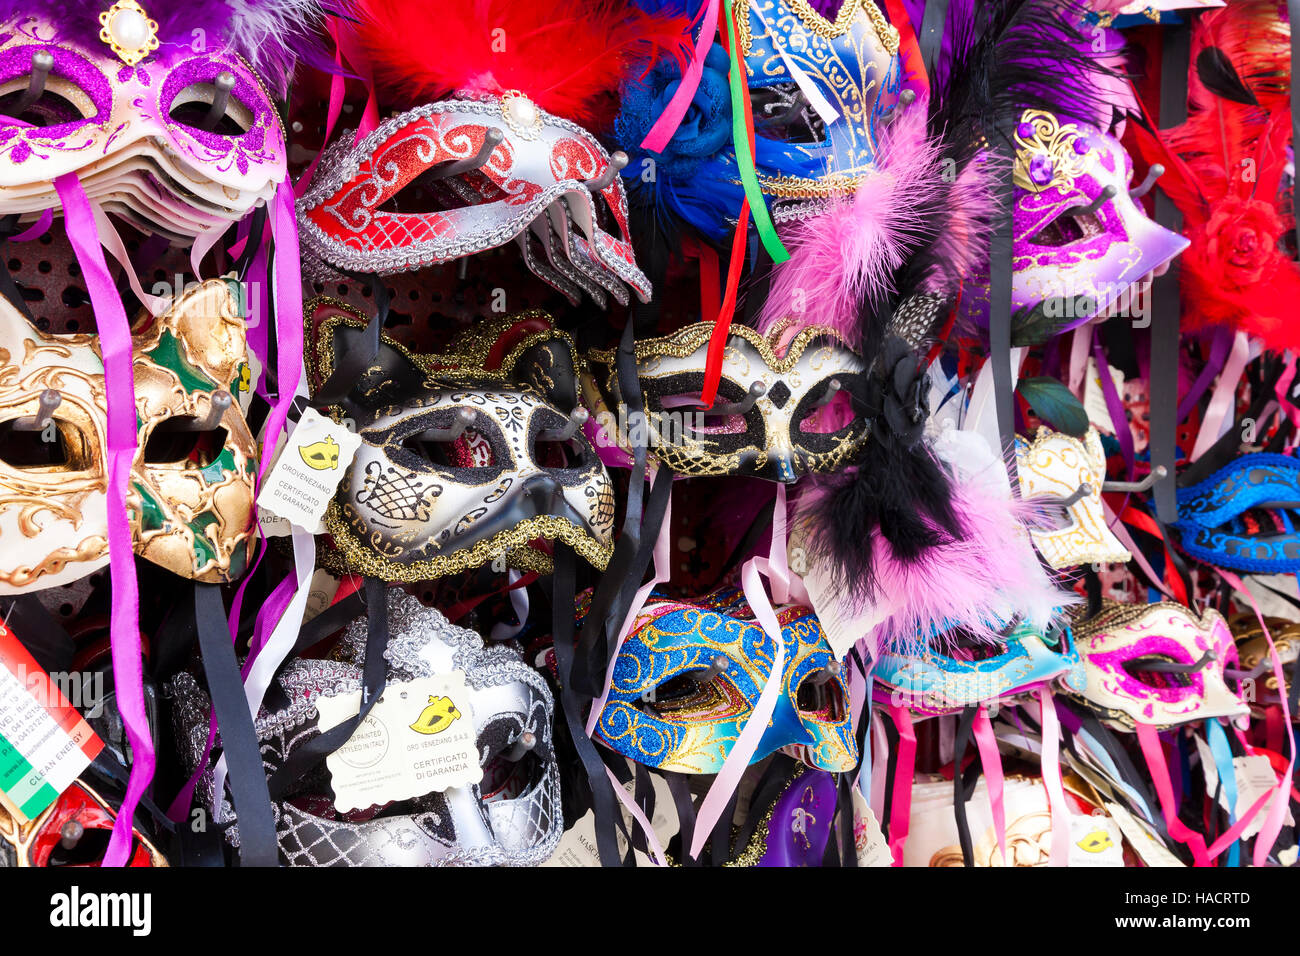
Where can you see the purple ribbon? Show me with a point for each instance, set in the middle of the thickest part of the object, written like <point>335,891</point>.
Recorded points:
<point>1219,349</point>
<point>124,626</point>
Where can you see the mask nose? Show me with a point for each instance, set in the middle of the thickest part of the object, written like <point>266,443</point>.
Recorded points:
<point>544,490</point>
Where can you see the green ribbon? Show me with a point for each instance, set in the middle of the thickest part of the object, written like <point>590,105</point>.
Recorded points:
<point>744,156</point>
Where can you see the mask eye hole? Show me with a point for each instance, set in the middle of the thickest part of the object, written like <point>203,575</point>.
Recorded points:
<point>1160,679</point>
<point>1066,230</point>
<point>30,450</point>
<point>506,779</point>
<point>782,112</point>
<point>88,849</point>
<point>51,108</point>
<point>559,454</point>
<point>433,191</point>
<point>193,104</point>
<point>468,450</point>
<point>177,442</point>
<point>829,418</point>
<point>824,701</point>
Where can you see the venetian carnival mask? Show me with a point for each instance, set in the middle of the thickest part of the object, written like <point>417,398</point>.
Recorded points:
<point>932,683</point>
<point>852,64</point>
<point>1078,233</point>
<point>777,415</point>
<point>689,674</point>
<point>1055,468</point>
<point>191,492</point>
<point>174,140</point>
<point>455,178</point>
<point>1244,515</point>
<point>1156,664</point>
<point>510,818</point>
<point>466,456</point>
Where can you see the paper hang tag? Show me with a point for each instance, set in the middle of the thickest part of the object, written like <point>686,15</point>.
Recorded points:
<point>45,743</point>
<point>1095,841</point>
<point>1255,778</point>
<point>577,846</point>
<point>245,386</point>
<point>418,738</point>
<point>868,839</point>
<point>323,587</point>
<point>307,471</point>
<point>1152,852</point>
<point>841,623</point>
<point>1094,399</point>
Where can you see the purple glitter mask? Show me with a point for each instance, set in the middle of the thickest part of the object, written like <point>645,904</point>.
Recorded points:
<point>135,113</point>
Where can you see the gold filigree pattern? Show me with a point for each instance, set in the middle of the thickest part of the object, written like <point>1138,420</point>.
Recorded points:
<point>1051,139</point>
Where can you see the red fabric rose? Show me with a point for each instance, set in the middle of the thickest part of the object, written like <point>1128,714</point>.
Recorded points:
<point>1241,239</point>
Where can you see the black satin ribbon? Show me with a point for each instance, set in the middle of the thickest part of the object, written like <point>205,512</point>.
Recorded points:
<point>591,658</point>
<point>1000,273</point>
<point>891,771</point>
<point>848,845</point>
<point>256,229</point>
<point>332,619</point>
<point>679,786</point>
<point>374,678</point>
<point>247,779</point>
<point>352,365</point>
<point>563,585</point>
<point>720,849</point>
<point>965,731</point>
<point>1165,299</point>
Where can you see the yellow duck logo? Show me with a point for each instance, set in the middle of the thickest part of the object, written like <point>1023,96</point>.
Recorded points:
<point>1098,841</point>
<point>437,717</point>
<point>321,455</point>
<point>245,377</point>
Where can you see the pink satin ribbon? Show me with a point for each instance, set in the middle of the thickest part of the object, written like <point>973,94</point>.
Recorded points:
<point>357,59</point>
<point>1283,391</point>
<point>287,270</point>
<point>332,113</point>
<point>900,811</point>
<point>773,567</point>
<point>1117,528</point>
<point>991,762</point>
<point>1277,812</point>
<point>1153,751</point>
<point>671,118</point>
<point>1051,768</point>
<point>115,346</point>
<point>36,229</point>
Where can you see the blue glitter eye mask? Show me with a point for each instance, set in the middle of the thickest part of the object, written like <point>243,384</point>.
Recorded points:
<point>1245,516</point>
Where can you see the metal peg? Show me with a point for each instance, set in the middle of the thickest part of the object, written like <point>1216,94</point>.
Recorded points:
<point>1154,173</point>
<point>463,419</point>
<point>1106,195</point>
<point>50,400</point>
<point>224,84</point>
<point>617,160</point>
<point>525,742</point>
<point>1159,473</point>
<point>42,63</point>
<point>218,406</point>
<point>491,141</point>
<point>716,667</point>
<point>577,418</point>
<point>756,391</point>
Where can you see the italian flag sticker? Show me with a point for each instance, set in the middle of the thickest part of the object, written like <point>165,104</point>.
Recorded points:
<point>45,743</point>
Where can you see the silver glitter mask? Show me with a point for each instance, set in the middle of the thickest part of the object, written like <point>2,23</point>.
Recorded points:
<point>511,818</point>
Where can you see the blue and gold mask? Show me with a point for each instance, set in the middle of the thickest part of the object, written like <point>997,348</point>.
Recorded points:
<point>689,674</point>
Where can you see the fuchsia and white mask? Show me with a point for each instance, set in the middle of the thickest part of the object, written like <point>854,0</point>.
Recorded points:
<point>1157,664</point>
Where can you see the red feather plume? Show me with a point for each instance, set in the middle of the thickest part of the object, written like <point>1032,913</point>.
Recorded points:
<point>568,56</point>
<point>1224,170</point>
